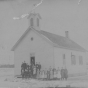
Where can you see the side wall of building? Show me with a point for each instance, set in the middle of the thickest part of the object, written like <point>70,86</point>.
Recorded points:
<point>72,69</point>
<point>34,44</point>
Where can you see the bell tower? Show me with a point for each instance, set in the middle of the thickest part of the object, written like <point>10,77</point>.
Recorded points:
<point>34,20</point>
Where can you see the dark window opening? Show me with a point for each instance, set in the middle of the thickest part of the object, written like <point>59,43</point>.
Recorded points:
<point>80,60</point>
<point>64,62</point>
<point>32,60</point>
<point>73,59</point>
<point>38,22</point>
<point>31,22</point>
<point>31,38</point>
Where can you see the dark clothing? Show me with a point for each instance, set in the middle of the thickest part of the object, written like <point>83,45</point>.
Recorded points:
<point>24,66</point>
<point>62,74</point>
<point>66,73</point>
<point>31,70</point>
<point>24,70</point>
<point>39,66</point>
<point>28,70</point>
<point>48,75</point>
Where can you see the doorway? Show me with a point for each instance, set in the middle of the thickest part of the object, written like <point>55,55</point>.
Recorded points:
<point>32,59</point>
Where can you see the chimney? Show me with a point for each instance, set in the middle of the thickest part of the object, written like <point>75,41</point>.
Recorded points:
<point>67,34</point>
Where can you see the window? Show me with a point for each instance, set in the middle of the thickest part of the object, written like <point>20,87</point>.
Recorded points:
<point>73,60</point>
<point>80,60</point>
<point>31,22</point>
<point>64,59</point>
<point>38,22</point>
<point>31,38</point>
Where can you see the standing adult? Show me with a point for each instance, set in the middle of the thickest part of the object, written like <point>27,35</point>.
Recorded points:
<point>39,67</point>
<point>45,73</point>
<point>28,70</point>
<point>31,70</point>
<point>50,70</point>
<point>22,70</point>
<point>24,66</point>
<point>62,73</point>
<point>66,73</point>
<point>36,69</point>
<point>55,73</point>
<point>21,67</point>
<point>48,74</point>
<point>58,74</point>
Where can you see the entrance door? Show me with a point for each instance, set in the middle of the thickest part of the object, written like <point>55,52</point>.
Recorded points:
<point>32,60</point>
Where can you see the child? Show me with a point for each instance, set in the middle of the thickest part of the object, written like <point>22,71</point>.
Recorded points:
<point>58,73</point>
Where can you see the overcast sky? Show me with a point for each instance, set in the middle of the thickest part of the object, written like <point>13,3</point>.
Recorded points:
<point>58,16</point>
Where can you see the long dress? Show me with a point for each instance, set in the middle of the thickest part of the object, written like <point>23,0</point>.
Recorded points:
<point>59,74</point>
<point>43,75</point>
<point>55,74</point>
<point>62,74</point>
<point>34,71</point>
<point>66,73</point>
<point>38,75</point>
<point>51,74</point>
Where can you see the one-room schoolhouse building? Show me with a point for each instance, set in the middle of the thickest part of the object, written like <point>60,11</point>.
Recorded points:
<point>48,49</point>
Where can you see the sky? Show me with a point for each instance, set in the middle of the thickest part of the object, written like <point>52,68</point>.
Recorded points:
<point>58,16</point>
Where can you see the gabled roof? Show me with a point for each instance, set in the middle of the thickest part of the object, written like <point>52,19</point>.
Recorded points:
<point>34,14</point>
<point>62,41</point>
<point>59,41</point>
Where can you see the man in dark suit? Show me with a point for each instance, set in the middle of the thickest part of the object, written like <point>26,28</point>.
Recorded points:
<point>39,67</point>
<point>62,73</point>
<point>66,73</point>
<point>23,68</point>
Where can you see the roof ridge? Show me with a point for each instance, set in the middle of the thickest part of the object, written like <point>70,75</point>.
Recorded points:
<point>54,38</point>
<point>65,39</point>
<point>53,33</point>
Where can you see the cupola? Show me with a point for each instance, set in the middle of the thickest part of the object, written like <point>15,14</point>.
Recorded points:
<point>34,20</point>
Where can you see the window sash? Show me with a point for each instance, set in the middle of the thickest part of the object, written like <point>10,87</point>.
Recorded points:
<point>73,60</point>
<point>31,21</point>
<point>80,60</point>
<point>64,62</point>
<point>38,22</point>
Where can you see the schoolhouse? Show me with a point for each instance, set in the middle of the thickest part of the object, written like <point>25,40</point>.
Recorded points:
<point>48,49</point>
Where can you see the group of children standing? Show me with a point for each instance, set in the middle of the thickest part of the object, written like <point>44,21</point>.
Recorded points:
<point>36,71</point>
<point>51,74</point>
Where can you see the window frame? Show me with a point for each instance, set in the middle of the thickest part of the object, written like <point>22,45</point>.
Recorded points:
<point>64,59</point>
<point>38,22</point>
<point>73,59</point>
<point>31,22</point>
<point>80,60</point>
